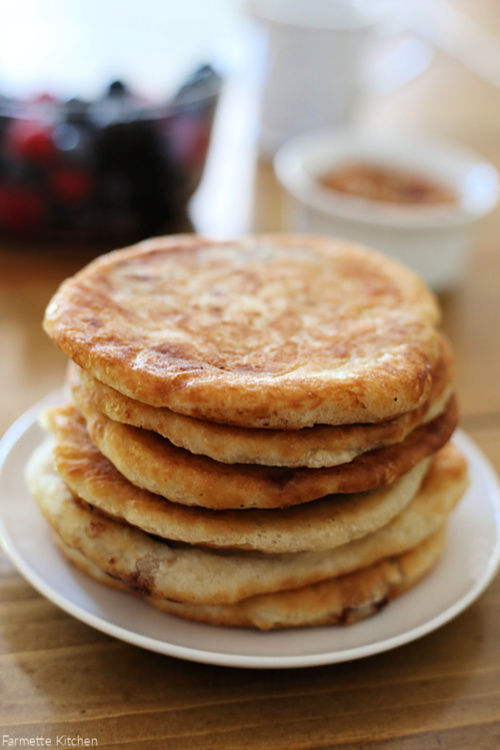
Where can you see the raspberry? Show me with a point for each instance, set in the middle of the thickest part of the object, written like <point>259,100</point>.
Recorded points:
<point>72,185</point>
<point>30,140</point>
<point>21,209</point>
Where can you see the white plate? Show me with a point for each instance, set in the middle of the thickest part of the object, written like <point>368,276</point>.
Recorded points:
<point>471,558</point>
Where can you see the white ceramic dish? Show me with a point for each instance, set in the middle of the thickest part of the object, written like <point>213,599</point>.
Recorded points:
<point>468,565</point>
<point>430,239</point>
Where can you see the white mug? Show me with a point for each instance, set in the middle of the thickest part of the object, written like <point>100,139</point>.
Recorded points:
<point>314,55</point>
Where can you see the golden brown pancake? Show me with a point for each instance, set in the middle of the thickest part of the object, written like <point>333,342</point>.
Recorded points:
<point>336,601</point>
<point>191,574</point>
<point>319,525</point>
<point>314,447</point>
<point>275,331</point>
<point>153,463</point>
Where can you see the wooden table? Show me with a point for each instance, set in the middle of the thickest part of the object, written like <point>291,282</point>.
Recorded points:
<point>60,677</point>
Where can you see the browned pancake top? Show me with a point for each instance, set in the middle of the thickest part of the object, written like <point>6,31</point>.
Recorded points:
<point>271,331</point>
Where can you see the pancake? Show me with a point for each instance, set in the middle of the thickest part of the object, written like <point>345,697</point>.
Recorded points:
<point>153,463</point>
<point>195,575</point>
<point>319,525</point>
<point>314,447</point>
<point>340,601</point>
<point>275,331</point>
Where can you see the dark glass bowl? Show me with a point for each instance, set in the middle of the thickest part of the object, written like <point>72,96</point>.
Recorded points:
<point>110,171</point>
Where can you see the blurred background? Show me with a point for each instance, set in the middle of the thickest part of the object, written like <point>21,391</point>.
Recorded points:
<point>376,121</point>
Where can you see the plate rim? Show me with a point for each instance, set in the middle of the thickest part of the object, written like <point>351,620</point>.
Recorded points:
<point>28,419</point>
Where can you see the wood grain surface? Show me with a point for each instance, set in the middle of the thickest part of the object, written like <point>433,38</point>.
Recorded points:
<point>60,677</point>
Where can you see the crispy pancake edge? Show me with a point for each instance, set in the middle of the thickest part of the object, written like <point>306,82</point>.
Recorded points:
<point>319,525</point>
<point>151,462</point>
<point>195,575</point>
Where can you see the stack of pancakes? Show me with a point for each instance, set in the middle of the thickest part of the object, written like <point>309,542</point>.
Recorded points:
<point>257,431</point>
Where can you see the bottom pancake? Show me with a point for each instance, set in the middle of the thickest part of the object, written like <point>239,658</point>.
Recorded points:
<point>337,601</point>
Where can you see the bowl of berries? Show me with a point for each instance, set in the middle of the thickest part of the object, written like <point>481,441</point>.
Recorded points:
<point>115,169</point>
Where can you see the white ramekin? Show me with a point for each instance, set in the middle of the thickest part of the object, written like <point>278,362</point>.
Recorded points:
<point>430,239</point>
